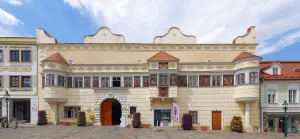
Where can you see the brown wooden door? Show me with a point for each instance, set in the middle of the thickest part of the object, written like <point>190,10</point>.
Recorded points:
<point>106,112</point>
<point>216,120</point>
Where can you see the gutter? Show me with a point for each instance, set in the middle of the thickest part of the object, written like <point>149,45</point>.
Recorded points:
<point>261,81</point>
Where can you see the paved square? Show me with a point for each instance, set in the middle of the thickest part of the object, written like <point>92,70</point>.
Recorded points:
<point>114,132</point>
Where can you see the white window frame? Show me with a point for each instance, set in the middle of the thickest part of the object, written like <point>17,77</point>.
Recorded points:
<point>275,71</point>
<point>50,81</point>
<point>75,116</point>
<point>255,77</point>
<point>73,81</point>
<point>212,80</point>
<point>293,97</point>
<point>63,82</point>
<point>128,82</point>
<point>165,78</point>
<point>102,81</point>
<point>192,80</point>
<point>271,91</point>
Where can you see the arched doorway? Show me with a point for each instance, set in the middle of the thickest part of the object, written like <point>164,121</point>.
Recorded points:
<point>111,112</point>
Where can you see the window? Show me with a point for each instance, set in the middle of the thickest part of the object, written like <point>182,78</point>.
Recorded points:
<point>163,92</point>
<point>275,71</point>
<point>132,109</point>
<point>292,96</point>
<point>145,81</point>
<point>25,55</point>
<point>173,79</point>
<point>43,81</point>
<point>95,81</point>
<point>240,78</point>
<point>127,81</point>
<point>163,79</point>
<point>71,111</point>
<point>204,80</point>
<point>25,81</point>
<point>69,82</point>
<point>61,81</point>
<point>153,79</point>
<point>193,81</point>
<point>163,65</point>
<point>216,80</point>
<point>137,81</point>
<point>272,96</point>
<point>253,76</point>
<point>181,80</point>
<point>1,55</point>
<point>50,79</point>
<point>77,82</point>
<point>105,82</point>
<point>0,81</point>
<point>116,81</point>
<point>194,116</point>
<point>228,80</point>
<point>87,81</point>
<point>14,81</point>
<point>14,55</point>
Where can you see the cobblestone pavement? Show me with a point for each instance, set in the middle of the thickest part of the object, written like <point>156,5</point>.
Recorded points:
<point>114,132</point>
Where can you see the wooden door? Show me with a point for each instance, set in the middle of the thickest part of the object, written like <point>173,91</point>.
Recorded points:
<point>106,112</point>
<point>216,120</point>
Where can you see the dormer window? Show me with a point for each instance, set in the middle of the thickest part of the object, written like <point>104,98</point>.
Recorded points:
<point>275,71</point>
<point>163,65</point>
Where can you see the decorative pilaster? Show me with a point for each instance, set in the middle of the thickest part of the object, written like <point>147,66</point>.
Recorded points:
<point>247,125</point>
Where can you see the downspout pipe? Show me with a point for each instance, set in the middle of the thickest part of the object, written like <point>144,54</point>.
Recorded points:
<point>261,81</point>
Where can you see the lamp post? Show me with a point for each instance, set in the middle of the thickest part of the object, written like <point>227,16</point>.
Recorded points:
<point>6,97</point>
<point>285,108</point>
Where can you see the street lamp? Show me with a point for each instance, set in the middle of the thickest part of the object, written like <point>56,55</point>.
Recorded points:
<point>285,108</point>
<point>6,97</point>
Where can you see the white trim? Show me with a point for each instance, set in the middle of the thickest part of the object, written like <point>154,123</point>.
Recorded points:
<point>222,119</point>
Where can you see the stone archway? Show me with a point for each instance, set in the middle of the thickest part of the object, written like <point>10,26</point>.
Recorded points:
<point>111,112</point>
<point>100,97</point>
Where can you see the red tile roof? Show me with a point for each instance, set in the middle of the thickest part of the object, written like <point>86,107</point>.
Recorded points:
<point>289,70</point>
<point>163,56</point>
<point>244,55</point>
<point>57,57</point>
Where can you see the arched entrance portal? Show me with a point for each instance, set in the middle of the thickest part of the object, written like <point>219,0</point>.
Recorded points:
<point>111,112</point>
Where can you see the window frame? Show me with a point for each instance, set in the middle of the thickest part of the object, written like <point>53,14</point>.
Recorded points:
<point>88,79</point>
<point>182,80</point>
<point>11,55</point>
<point>105,80</point>
<point>137,81</point>
<point>94,84</point>
<point>275,71</point>
<point>61,80</point>
<point>22,58</point>
<point>229,77</point>
<point>240,79</point>
<point>191,82</point>
<point>253,77</point>
<point>135,108</point>
<point>294,98</point>
<point>215,79</point>
<point>163,79</point>
<point>2,55</point>
<point>77,80</point>
<point>192,114</point>
<point>128,82</point>
<point>48,80</point>
<point>1,81</point>
<point>11,81</point>
<point>146,81</point>
<point>203,77</point>
<point>22,81</point>
<point>271,92</point>
<point>64,111</point>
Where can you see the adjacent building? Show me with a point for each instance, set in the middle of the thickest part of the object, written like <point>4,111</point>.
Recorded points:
<point>280,82</point>
<point>112,79</point>
<point>18,75</point>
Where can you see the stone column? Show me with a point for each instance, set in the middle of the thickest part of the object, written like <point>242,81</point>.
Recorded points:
<point>54,110</point>
<point>248,127</point>
<point>123,117</point>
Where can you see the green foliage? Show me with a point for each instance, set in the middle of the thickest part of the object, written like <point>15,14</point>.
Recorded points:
<point>237,124</point>
<point>136,120</point>
<point>81,120</point>
<point>187,123</point>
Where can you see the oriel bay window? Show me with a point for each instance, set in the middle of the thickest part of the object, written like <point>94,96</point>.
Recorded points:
<point>77,82</point>
<point>193,81</point>
<point>50,80</point>
<point>14,81</point>
<point>95,81</point>
<point>253,76</point>
<point>105,82</point>
<point>182,80</point>
<point>87,81</point>
<point>145,81</point>
<point>228,80</point>
<point>163,79</point>
<point>216,80</point>
<point>127,81</point>
<point>61,81</point>
<point>240,78</point>
<point>204,80</point>
<point>137,81</point>
<point>25,81</point>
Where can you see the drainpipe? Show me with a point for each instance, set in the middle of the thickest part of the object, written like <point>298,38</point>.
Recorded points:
<point>261,81</point>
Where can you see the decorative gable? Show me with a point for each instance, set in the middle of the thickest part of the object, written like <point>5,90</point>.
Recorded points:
<point>273,69</point>
<point>104,35</point>
<point>175,36</point>
<point>244,55</point>
<point>56,57</point>
<point>163,56</point>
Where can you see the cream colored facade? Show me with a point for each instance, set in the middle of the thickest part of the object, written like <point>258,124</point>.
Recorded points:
<point>105,54</point>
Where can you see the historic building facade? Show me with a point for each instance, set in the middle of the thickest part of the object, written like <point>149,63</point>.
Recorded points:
<point>280,82</point>
<point>112,79</point>
<point>18,72</point>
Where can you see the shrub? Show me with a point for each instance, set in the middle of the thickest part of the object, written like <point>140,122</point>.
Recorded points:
<point>237,124</point>
<point>136,120</point>
<point>81,121</point>
<point>187,122</point>
<point>42,117</point>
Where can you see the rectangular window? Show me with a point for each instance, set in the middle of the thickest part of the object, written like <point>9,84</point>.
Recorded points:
<point>194,116</point>
<point>132,110</point>
<point>253,76</point>
<point>25,81</point>
<point>137,81</point>
<point>153,79</point>
<point>181,80</point>
<point>145,81</point>
<point>1,81</point>
<point>275,71</point>
<point>71,111</point>
<point>14,81</point>
<point>163,79</point>
<point>25,55</point>
<point>272,96</point>
<point>163,65</point>
<point>69,82</point>
<point>77,82</point>
<point>1,55</point>
<point>293,96</point>
<point>116,81</point>
<point>14,55</point>
<point>43,81</point>
<point>127,81</point>
<point>173,79</point>
<point>95,81</point>
<point>163,92</point>
<point>61,81</point>
<point>50,79</point>
<point>228,80</point>
<point>87,81</point>
<point>216,80</point>
<point>193,81</point>
<point>240,78</point>
<point>204,80</point>
<point>105,82</point>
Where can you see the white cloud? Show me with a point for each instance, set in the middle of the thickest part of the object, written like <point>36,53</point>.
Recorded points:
<point>210,21</point>
<point>7,22</point>
<point>14,2</point>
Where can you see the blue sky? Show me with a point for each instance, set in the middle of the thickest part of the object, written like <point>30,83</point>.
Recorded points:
<point>277,22</point>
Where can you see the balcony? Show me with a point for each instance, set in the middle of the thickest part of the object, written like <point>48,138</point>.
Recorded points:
<point>55,94</point>
<point>246,93</point>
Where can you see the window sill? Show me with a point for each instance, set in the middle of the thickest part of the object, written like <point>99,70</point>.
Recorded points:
<point>272,103</point>
<point>294,103</point>
<point>16,89</point>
